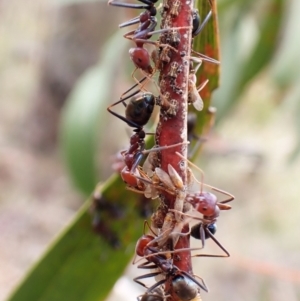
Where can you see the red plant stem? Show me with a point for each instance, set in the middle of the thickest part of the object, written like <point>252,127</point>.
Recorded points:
<point>171,130</point>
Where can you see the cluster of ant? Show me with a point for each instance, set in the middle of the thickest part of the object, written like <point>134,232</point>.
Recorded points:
<point>148,179</point>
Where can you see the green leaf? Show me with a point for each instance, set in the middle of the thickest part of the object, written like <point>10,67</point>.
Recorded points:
<point>79,266</point>
<point>85,108</point>
<point>238,68</point>
<point>207,43</point>
<point>265,47</point>
<point>285,69</point>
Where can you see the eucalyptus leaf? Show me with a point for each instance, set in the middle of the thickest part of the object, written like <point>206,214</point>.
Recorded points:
<point>85,108</point>
<point>239,69</point>
<point>80,266</point>
<point>286,69</point>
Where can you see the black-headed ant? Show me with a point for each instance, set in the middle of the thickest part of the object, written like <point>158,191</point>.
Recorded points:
<point>208,205</point>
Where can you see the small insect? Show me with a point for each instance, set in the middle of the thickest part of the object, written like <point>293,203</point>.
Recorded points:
<point>175,8</point>
<point>173,70</point>
<point>174,185</point>
<point>173,38</point>
<point>136,178</point>
<point>193,92</point>
<point>100,222</point>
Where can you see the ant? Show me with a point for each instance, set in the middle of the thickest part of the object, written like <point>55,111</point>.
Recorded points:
<point>139,55</point>
<point>137,114</point>
<point>207,204</point>
<point>172,273</point>
<point>158,242</point>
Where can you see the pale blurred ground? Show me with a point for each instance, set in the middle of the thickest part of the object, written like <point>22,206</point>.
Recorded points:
<point>36,199</point>
<point>261,231</point>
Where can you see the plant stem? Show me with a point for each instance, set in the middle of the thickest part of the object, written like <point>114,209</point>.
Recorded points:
<point>173,129</point>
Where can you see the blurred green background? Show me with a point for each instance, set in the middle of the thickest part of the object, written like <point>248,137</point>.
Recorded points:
<point>253,150</point>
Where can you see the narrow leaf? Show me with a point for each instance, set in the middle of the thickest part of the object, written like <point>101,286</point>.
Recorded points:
<point>80,266</point>
<point>85,108</point>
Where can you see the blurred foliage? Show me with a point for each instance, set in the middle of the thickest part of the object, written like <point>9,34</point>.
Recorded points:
<point>255,36</point>
<point>80,265</point>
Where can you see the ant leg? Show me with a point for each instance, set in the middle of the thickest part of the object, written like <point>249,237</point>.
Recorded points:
<point>222,205</point>
<point>129,5</point>
<point>200,88</point>
<point>203,286</point>
<point>130,22</point>
<point>140,155</point>
<point>196,147</point>
<point>155,285</point>
<point>195,166</point>
<point>217,243</point>
<point>200,57</point>
<point>137,279</point>
<point>202,281</point>
<point>200,28</point>
<point>146,76</point>
<point>132,87</point>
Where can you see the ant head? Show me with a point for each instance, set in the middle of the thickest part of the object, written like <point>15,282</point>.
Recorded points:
<point>205,203</point>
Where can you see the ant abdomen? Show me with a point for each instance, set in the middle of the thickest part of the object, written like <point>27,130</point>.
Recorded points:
<point>139,109</point>
<point>184,288</point>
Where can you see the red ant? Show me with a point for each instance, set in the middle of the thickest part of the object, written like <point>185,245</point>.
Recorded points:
<point>137,114</point>
<point>139,55</point>
<point>207,204</point>
<point>172,273</point>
